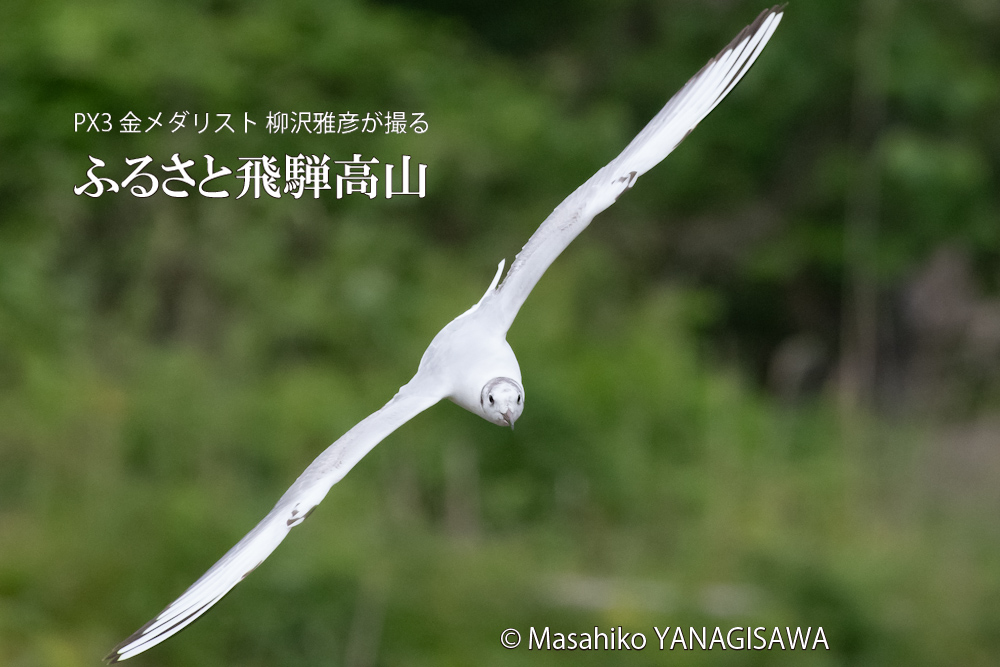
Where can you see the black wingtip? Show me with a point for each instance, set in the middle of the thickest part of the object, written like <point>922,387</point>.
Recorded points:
<point>115,655</point>
<point>182,621</point>
<point>754,26</point>
<point>777,10</point>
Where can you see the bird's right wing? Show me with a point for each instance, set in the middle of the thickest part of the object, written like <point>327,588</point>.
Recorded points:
<point>293,507</point>
<point>667,129</point>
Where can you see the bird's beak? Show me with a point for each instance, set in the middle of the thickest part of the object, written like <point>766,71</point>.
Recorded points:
<point>509,418</point>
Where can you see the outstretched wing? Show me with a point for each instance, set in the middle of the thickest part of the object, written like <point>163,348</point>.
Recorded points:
<point>293,507</point>
<point>667,129</point>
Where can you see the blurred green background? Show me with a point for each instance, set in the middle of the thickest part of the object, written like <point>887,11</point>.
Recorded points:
<point>762,389</point>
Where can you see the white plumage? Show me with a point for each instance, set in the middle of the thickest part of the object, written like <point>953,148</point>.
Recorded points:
<point>469,360</point>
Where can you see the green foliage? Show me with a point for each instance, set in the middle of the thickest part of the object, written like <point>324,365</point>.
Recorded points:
<point>168,366</point>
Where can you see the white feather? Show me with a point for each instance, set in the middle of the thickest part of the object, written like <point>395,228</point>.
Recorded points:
<point>661,135</point>
<point>471,350</point>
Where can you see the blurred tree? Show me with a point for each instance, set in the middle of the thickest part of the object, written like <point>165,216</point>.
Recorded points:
<point>168,366</point>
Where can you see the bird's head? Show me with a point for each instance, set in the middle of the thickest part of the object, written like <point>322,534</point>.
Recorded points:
<point>502,400</point>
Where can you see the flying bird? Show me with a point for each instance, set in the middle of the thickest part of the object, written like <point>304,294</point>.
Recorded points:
<point>469,361</point>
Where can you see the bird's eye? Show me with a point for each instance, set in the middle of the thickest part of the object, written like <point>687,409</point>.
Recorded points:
<point>519,399</point>
<point>491,399</point>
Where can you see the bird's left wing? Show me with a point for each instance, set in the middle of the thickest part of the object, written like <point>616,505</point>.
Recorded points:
<point>667,129</point>
<point>294,506</point>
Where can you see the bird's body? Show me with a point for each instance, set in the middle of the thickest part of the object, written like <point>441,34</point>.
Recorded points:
<point>469,361</point>
<point>467,353</point>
